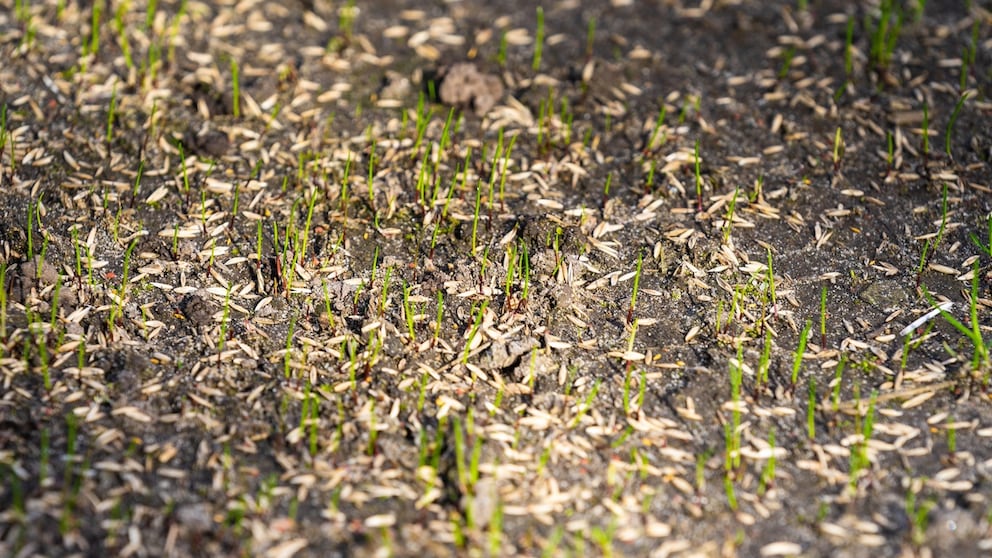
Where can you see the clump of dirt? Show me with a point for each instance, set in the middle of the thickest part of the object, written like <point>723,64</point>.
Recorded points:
<point>463,85</point>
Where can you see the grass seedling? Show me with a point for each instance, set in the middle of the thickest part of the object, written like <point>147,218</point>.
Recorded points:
<point>3,304</point>
<point>885,33</point>
<point>929,248</point>
<point>980,356</point>
<point>314,422</point>
<point>627,375</point>
<point>524,267</point>
<point>968,55</point>
<point>728,479</point>
<point>849,48</point>
<point>53,316</point>
<point>151,9</point>
<point>92,46</point>
<point>346,20</point>
<point>302,249</point>
<point>235,89</point>
<point>586,404</point>
<point>137,182</point>
<point>567,118</point>
<point>174,31</point>
<point>538,40</point>
<point>373,430</point>
<point>838,148</point>
<point>122,39</point>
<point>424,117</point>
<point>301,159</point>
<point>437,227</point>
<point>787,57</point>
<point>5,137</point>
<point>117,308</point>
<point>924,257</point>
<point>606,189</point>
<point>478,313</point>
<point>460,468</point>
<point>223,323</point>
<point>182,166</point>
<point>22,11</point>
<point>700,476</point>
<point>423,180</point>
<point>811,409</point>
<point>859,453</point>
<point>482,269</point>
<point>71,486</point>
<point>350,348</point>
<point>767,479</point>
<point>371,173</point>
<point>511,269</point>
<point>343,198</point>
<point>764,361</point>
<point>408,311</point>
<point>385,291</point>
<point>150,66</point>
<point>287,356</point>
<point>835,384</point>
<point>987,247</point>
<point>919,517</point>
<point>890,153</point>
<point>4,134</point>
<point>637,283</point>
<point>590,37</point>
<point>659,124</point>
<point>111,115</point>
<point>30,231</point>
<point>604,537</point>
<point>736,370</point>
<point>501,53</point>
<point>953,120</point>
<point>89,265</point>
<point>305,409</point>
<point>36,327</point>
<point>496,531</point>
<point>557,249</point>
<point>446,132</point>
<point>797,360</point>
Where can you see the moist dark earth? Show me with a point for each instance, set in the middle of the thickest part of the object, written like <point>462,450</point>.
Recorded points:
<point>468,278</point>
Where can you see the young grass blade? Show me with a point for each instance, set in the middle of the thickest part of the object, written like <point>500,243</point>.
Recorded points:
<point>538,40</point>
<point>797,361</point>
<point>954,118</point>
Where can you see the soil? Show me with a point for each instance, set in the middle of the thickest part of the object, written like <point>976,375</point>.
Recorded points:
<point>468,278</point>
